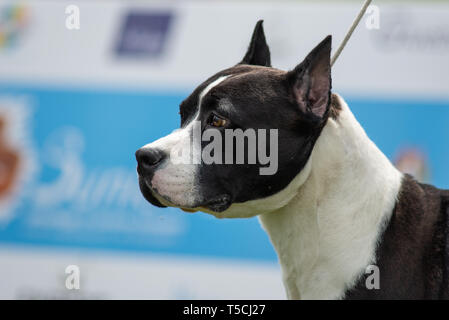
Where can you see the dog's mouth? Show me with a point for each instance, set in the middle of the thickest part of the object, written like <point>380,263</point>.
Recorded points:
<point>148,194</point>
<point>215,204</point>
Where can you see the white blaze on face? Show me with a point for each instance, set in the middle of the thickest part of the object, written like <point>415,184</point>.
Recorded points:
<point>176,179</point>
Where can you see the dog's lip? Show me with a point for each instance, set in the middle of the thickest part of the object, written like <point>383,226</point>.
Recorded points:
<point>163,201</point>
<point>148,194</point>
<point>216,204</point>
<point>219,203</point>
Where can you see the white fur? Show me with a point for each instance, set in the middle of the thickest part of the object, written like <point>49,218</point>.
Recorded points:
<point>327,234</point>
<point>176,183</point>
<point>326,223</point>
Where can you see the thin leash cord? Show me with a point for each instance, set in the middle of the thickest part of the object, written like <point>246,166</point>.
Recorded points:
<point>350,31</point>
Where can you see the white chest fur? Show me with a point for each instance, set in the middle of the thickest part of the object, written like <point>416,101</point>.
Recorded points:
<point>327,234</point>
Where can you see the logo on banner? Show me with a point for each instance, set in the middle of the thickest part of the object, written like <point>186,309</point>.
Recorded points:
<point>144,34</point>
<point>13,22</point>
<point>77,196</point>
<point>16,154</point>
<point>406,30</point>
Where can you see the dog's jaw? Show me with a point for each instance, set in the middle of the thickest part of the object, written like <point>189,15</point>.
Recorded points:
<point>269,204</point>
<point>327,234</point>
<point>148,194</point>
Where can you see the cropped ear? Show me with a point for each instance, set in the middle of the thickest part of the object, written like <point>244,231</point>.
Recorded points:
<point>310,82</point>
<point>258,52</point>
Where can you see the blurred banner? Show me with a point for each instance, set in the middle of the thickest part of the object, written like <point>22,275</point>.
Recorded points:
<point>75,104</point>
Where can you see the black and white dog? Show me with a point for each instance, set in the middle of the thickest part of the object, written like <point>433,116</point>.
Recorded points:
<point>335,204</point>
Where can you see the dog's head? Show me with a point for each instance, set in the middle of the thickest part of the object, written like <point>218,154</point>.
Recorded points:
<point>246,136</point>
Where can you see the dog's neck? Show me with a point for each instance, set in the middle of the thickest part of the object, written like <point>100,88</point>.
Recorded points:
<point>326,235</point>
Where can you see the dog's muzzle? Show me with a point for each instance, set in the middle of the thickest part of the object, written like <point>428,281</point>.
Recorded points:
<point>147,162</point>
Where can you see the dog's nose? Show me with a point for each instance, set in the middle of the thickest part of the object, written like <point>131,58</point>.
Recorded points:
<point>147,159</point>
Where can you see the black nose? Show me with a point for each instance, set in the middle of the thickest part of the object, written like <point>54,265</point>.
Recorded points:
<point>147,159</point>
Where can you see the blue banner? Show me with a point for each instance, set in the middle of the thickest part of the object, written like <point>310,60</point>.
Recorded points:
<point>81,189</point>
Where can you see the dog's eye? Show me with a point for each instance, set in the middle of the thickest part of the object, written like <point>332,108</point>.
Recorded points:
<point>217,122</point>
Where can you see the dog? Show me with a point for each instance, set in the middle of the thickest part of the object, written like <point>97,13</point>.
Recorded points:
<point>336,206</point>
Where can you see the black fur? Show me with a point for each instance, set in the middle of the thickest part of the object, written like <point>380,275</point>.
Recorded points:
<point>258,52</point>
